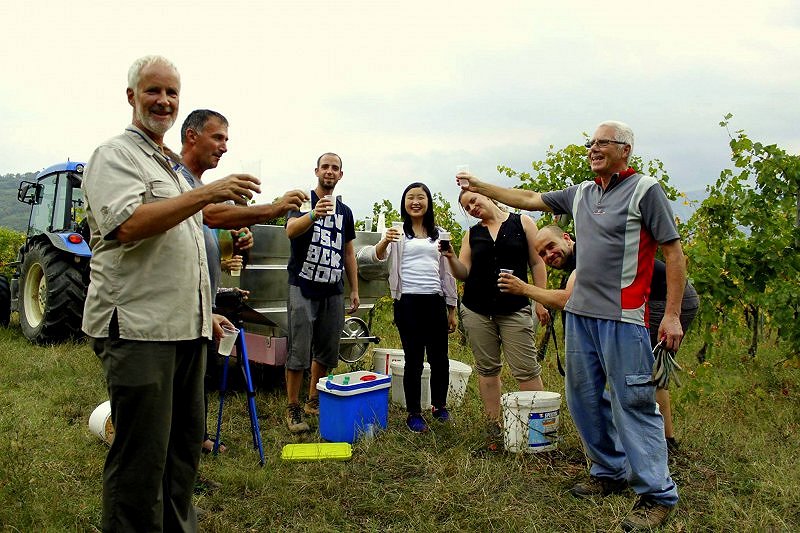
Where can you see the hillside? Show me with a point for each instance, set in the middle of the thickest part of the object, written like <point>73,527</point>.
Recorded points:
<point>13,214</point>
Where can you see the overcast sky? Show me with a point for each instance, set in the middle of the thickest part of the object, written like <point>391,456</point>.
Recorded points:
<point>407,90</point>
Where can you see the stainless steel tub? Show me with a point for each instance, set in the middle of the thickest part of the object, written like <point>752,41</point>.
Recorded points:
<point>267,280</point>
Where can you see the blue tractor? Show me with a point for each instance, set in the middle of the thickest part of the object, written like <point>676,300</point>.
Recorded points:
<point>51,274</point>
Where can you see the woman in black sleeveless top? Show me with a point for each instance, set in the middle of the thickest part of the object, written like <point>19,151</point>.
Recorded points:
<point>492,319</point>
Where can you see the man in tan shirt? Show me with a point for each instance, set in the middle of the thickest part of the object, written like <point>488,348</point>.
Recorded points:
<point>148,307</point>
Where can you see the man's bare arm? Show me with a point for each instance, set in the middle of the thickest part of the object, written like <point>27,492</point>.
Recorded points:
<point>351,271</point>
<point>670,328</point>
<point>519,198</point>
<point>555,298</point>
<point>229,216</point>
<point>298,225</point>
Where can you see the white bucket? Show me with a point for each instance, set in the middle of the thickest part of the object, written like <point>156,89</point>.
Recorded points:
<point>530,421</point>
<point>382,359</point>
<point>100,422</point>
<point>399,395</point>
<point>459,376</point>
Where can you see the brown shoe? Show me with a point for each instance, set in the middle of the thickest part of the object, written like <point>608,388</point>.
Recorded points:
<point>598,486</point>
<point>294,419</point>
<point>311,407</point>
<point>202,484</point>
<point>646,514</point>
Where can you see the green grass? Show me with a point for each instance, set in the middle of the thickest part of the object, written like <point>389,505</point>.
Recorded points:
<point>738,424</point>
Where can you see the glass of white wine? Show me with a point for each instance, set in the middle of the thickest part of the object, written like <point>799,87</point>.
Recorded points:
<point>225,240</point>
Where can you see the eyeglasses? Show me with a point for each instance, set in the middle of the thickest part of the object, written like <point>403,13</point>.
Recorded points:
<point>601,142</point>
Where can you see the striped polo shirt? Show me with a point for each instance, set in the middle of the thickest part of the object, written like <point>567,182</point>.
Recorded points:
<point>619,229</point>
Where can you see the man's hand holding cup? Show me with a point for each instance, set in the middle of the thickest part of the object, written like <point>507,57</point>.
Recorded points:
<point>462,176</point>
<point>323,207</point>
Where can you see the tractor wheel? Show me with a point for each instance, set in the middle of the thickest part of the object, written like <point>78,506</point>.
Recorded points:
<point>5,301</point>
<point>51,296</point>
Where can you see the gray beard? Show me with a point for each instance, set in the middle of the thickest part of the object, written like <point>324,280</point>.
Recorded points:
<point>156,126</point>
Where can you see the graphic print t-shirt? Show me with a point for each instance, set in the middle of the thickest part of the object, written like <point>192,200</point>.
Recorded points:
<point>317,261</point>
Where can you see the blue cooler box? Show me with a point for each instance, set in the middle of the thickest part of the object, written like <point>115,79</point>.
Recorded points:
<point>352,405</point>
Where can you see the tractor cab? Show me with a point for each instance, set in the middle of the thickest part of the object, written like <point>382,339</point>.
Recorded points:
<point>57,206</point>
<point>52,267</point>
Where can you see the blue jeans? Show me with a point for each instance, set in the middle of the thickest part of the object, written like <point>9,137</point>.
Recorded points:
<point>612,402</point>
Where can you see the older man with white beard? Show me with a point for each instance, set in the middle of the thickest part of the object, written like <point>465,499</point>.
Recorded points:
<point>148,307</point>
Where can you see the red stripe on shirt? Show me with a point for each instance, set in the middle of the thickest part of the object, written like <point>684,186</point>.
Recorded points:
<point>636,294</point>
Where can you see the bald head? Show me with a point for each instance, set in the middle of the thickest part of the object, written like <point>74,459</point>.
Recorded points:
<point>553,245</point>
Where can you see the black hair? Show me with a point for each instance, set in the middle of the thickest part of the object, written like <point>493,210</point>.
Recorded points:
<point>197,120</point>
<point>427,219</point>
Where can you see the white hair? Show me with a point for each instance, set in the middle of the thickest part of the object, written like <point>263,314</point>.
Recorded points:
<point>135,72</point>
<point>622,132</point>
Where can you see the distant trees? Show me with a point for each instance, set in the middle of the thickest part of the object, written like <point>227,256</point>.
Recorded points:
<point>10,241</point>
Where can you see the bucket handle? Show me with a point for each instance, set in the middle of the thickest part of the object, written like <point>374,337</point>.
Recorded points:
<point>549,436</point>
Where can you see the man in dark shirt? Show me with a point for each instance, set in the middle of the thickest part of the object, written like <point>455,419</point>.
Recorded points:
<point>322,252</point>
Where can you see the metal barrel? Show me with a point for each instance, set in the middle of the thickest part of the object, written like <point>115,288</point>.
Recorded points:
<point>267,279</point>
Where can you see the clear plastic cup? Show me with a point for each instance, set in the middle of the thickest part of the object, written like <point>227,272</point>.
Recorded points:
<point>228,340</point>
<point>462,182</point>
<point>508,271</point>
<point>305,206</point>
<point>332,209</point>
<point>398,225</point>
<point>444,240</point>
